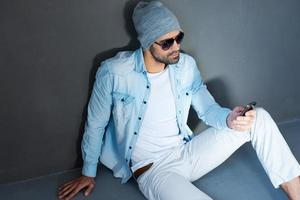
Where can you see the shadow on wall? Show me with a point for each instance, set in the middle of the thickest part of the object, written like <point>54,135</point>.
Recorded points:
<point>218,90</point>
<point>132,45</point>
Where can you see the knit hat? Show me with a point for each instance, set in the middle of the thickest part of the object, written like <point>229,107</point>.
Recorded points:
<point>152,20</point>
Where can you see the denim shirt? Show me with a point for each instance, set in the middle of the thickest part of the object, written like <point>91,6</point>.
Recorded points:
<point>118,103</point>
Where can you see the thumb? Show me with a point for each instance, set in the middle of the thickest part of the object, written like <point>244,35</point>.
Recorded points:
<point>88,190</point>
<point>238,109</point>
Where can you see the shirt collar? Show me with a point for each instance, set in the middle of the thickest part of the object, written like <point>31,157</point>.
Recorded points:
<point>139,61</point>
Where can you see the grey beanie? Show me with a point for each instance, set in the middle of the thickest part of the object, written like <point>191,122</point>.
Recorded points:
<point>152,20</point>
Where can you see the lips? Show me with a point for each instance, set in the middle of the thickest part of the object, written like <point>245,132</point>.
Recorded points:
<point>175,54</point>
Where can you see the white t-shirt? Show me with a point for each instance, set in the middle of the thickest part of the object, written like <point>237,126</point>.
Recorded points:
<point>159,130</point>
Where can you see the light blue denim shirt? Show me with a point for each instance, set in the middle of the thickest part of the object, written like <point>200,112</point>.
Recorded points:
<point>118,103</point>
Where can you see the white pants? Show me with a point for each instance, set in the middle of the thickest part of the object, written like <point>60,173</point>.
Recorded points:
<point>170,177</point>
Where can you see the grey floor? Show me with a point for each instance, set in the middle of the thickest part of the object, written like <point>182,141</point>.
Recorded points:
<point>241,177</point>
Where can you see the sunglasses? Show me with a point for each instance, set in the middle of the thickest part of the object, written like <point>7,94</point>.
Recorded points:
<point>167,43</point>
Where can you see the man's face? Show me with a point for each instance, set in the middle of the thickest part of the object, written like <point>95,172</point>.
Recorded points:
<point>169,56</point>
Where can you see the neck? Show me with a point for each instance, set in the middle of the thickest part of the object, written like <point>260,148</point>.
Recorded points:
<point>152,65</point>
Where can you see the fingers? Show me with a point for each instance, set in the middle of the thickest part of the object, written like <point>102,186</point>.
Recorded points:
<point>70,189</point>
<point>243,120</point>
<point>244,123</point>
<point>65,190</point>
<point>89,189</point>
<point>251,113</point>
<point>74,191</point>
<point>238,109</point>
<point>65,185</point>
<point>241,128</point>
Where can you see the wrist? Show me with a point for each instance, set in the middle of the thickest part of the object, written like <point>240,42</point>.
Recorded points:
<point>228,121</point>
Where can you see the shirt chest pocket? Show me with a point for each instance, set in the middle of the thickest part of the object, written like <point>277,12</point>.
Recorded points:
<point>122,105</point>
<point>190,90</point>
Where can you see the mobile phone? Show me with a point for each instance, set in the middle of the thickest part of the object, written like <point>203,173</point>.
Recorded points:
<point>249,106</point>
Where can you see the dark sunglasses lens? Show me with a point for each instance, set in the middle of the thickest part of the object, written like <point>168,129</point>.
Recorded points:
<point>179,37</point>
<point>167,44</point>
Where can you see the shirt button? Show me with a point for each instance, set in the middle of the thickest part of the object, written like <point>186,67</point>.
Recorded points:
<point>135,133</point>
<point>187,94</point>
<point>122,99</point>
<point>148,87</point>
<point>145,102</point>
<point>140,118</point>
<point>130,147</point>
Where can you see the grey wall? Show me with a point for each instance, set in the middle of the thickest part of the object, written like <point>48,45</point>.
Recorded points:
<point>50,50</point>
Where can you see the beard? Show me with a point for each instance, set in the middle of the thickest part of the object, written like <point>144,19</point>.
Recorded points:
<point>170,58</point>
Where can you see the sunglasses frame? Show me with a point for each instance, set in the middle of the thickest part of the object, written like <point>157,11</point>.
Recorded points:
<point>166,44</point>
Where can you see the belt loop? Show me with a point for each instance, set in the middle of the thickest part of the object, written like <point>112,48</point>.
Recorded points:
<point>133,176</point>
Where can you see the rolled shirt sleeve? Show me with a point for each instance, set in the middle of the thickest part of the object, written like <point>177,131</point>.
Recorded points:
<point>205,105</point>
<point>99,111</point>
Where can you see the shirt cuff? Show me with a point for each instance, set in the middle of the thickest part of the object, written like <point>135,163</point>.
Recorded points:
<point>89,169</point>
<point>224,119</point>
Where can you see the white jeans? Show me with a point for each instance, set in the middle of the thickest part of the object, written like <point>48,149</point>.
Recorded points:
<point>170,177</point>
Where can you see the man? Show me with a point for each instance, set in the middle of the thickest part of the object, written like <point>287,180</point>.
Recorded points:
<point>137,120</point>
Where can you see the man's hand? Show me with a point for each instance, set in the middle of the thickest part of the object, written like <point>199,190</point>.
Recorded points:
<point>70,189</point>
<point>240,123</point>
